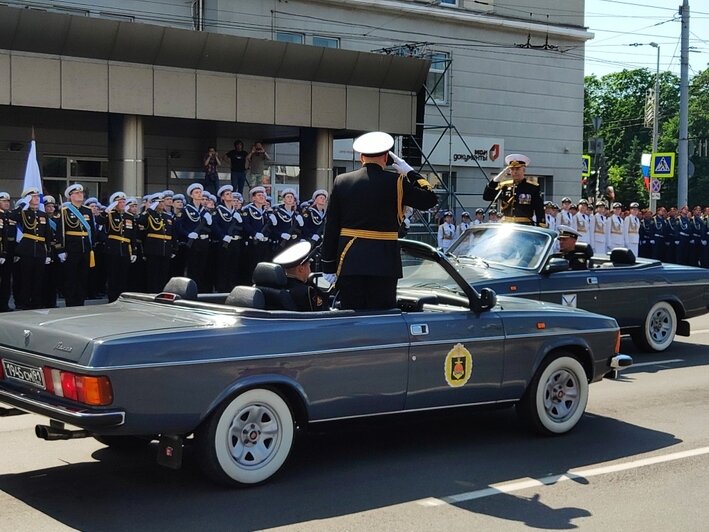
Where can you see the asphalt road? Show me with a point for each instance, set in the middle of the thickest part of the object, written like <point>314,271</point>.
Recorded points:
<point>639,460</point>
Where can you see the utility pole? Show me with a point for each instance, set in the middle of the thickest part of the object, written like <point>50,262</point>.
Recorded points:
<point>655,118</point>
<point>682,155</point>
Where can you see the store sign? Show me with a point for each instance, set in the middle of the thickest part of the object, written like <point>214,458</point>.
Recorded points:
<point>465,151</point>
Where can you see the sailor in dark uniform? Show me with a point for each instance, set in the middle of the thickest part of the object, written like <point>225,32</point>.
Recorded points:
<point>227,231</point>
<point>314,217</point>
<point>6,251</point>
<point>31,250</point>
<point>520,200</point>
<point>158,243</point>
<point>257,229</point>
<point>296,262</point>
<point>120,244</point>
<point>194,229</point>
<point>682,237</point>
<point>287,221</point>
<point>360,248</point>
<point>53,271</point>
<point>698,232</point>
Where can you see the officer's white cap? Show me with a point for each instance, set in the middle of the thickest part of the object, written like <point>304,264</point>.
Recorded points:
<point>29,191</point>
<point>295,255</point>
<point>4,196</point>
<point>49,199</point>
<point>617,205</point>
<point>91,201</point>
<point>373,143</point>
<point>256,190</point>
<point>117,196</point>
<point>131,201</point>
<point>76,187</point>
<point>566,231</point>
<point>635,205</point>
<point>288,191</point>
<point>465,213</point>
<point>223,189</point>
<point>319,192</point>
<point>517,159</point>
<point>158,196</point>
<point>194,186</point>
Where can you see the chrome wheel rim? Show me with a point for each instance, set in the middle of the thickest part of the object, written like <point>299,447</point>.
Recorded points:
<point>254,436</point>
<point>660,326</point>
<point>561,395</point>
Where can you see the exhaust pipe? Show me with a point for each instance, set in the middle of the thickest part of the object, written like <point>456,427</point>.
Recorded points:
<point>49,433</point>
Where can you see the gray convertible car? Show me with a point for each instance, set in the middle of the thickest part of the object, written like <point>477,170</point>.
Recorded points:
<point>650,300</point>
<point>236,376</point>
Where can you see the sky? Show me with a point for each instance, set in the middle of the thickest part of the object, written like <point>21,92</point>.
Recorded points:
<point>618,24</point>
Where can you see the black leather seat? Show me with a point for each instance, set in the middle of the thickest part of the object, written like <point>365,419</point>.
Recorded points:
<point>184,287</point>
<point>271,280</point>
<point>247,297</point>
<point>622,257</point>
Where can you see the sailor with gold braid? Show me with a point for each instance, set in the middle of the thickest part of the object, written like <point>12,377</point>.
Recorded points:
<point>520,200</point>
<point>120,244</point>
<point>366,208</point>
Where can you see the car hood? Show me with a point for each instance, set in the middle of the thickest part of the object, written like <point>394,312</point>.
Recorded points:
<point>65,333</point>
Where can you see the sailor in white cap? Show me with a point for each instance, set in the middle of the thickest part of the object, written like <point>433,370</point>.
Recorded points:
<point>614,229</point>
<point>314,217</point>
<point>465,222</point>
<point>32,251</point>
<point>296,263</point>
<point>157,244</point>
<point>631,229</point>
<point>227,232</point>
<point>194,228</point>
<point>598,227</point>
<point>121,248</point>
<point>257,229</point>
<point>169,197</point>
<point>447,232</point>
<point>288,224</point>
<point>76,236</point>
<point>520,200</point>
<point>360,248</point>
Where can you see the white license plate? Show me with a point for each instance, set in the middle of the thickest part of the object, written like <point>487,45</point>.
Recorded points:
<point>23,373</point>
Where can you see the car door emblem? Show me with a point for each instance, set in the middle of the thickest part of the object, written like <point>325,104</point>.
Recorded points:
<point>458,366</point>
<point>61,347</point>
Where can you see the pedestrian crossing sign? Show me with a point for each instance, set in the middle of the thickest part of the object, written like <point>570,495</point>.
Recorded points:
<point>662,165</point>
<point>586,165</point>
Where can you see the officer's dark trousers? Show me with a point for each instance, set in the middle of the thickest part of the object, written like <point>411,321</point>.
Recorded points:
<point>5,284</point>
<point>52,280</point>
<point>157,271</point>
<point>76,274</point>
<point>228,259</point>
<point>198,262</point>
<point>362,292</point>
<point>118,268</point>
<point>29,292</point>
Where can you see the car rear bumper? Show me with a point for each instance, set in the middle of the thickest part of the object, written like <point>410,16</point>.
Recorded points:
<point>84,418</point>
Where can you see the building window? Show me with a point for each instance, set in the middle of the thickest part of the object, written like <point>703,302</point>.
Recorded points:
<point>437,81</point>
<point>326,42</point>
<point>284,36</point>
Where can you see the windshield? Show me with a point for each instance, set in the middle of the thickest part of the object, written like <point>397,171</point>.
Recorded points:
<point>506,244</point>
<point>426,274</point>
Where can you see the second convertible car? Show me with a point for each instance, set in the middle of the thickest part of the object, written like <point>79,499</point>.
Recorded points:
<point>241,374</point>
<point>650,300</point>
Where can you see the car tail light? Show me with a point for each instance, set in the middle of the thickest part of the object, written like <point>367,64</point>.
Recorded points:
<point>617,342</point>
<point>87,389</point>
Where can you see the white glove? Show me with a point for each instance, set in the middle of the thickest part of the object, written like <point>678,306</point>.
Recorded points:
<point>273,219</point>
<point>62,256</point>
<point>299,219</point>
<point>208,218</point>
<point>330,277</point>
<point>316,237</point>
<point>652,241</point>
<point>172,255</point>
<point>2,260</point>
<point>27,199</point>
<point>111,206</point>
<point>285,236</point>
<point>407,223</point>
<point>704,242</point>
<point>676,242</point>
<point>192,236</point>
<point>154,205</point>
<point>226,239</point>
<point>400,164</point>
<point>48,260</point>
<point>260,237</point>
<point>15,259</point>
<point>133,258</point>
<point>499,177</point>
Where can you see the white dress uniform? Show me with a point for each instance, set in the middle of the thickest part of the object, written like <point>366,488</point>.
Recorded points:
<point>582,224</point>
<point>598,231</point>
<point>631,233</point>
<point>614,233</point>
<point>564,218</point>
<point>463,227</point>
<point>446,235</point>
<point>551,221</point>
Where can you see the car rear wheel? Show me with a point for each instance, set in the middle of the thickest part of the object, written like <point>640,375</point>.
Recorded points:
<point>247,439</point>
<point>556,398</point>
<point>658,330</point>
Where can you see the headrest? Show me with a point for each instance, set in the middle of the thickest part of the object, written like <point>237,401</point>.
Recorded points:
<point>622,256</point>
<point>583,248</point>
<point>269,274</point>
<point>184,287</point>
<point>247,297</point>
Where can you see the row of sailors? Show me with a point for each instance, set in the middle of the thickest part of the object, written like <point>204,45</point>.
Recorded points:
<point>448,231</point>
<point>217,247</point>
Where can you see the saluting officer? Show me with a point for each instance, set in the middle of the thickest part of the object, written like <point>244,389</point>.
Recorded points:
<point>120,244</point>
<point>287,221</point>
<point>76,234</point>
<point>257,229</point>
<point>360,247</point>
<point>520,200</point>
<point>194,228</point>
<point>227,231</point>
<point>158,243</point>
<point>31,250</point>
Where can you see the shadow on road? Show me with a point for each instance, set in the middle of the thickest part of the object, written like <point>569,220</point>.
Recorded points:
<point>339,470</point>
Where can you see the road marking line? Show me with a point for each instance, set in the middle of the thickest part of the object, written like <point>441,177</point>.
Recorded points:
<point>700,331</point>
<point>525,483</point>
<point>659,362</point>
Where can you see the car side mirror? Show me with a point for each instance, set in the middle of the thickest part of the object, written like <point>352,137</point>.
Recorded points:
<point>488,299</point>
<point>556,264</point>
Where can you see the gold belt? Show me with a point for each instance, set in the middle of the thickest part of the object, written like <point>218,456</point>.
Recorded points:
<point>370,235</point>
<point>33,237</point>
<point>76,233</point>
<point>119,238</point>
<point>518,219</point>
<point>156,235</point>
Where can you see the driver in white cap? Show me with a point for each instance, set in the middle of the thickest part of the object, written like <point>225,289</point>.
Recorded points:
<point>360,244</point>
<point>296,262</point>
<point>520,200</point>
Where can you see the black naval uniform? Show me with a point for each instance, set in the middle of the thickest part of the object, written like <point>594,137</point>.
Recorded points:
<point>313,225</point>
<point>196,220</point>
<point>645,234</point>
<point>307,298</point>
<point>53,271</point>
<point>32,251</point>
<point>158,248</point>
<point>285,222</point>
<point>76,242</point>
<point>360,244</point>
<point>120,245</point>
<point>657,237</point>
<point>256,221</point>
<point>228,223</point>
<point>518,202</point>
<point>9,228</point>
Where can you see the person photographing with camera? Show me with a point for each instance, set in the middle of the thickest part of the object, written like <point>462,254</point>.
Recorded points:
<point>211,172</point>
<point>257,158</point>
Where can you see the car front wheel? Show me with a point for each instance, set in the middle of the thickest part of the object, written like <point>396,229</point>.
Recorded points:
<point>557,396</point>
<point>247,439</point>
<point>658,330</point>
